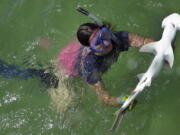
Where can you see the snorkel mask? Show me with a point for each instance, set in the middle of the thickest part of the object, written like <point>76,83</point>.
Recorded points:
<point>104,34</point>
<point>103,38</point>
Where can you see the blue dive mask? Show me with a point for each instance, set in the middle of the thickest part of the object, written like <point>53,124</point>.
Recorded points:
<point>103,38</point>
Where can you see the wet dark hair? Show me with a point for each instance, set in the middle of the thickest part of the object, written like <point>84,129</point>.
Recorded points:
<point>84,32</point>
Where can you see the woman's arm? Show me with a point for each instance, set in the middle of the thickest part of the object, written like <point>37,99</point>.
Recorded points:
<point>137,40</point>
<point>104,95</point>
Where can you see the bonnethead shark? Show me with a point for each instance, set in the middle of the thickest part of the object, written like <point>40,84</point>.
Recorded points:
<point>163,51</point>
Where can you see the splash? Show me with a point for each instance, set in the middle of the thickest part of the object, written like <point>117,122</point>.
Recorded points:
<point>62,96</point>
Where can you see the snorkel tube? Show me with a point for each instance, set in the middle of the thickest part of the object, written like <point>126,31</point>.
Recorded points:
<point>98,22</point>
<point>86,13</point>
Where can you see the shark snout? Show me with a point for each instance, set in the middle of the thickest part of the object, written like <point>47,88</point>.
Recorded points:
<point>172,19</point>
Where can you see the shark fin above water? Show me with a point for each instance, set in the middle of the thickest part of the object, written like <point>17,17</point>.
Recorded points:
<point>139,76</point>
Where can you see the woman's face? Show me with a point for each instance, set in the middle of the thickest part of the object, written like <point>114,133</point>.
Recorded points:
<point>108,44</point>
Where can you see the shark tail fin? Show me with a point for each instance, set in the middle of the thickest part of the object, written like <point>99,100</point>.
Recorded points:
<point>169,56</point>
<point>118,119</point>
<point>150,47</point>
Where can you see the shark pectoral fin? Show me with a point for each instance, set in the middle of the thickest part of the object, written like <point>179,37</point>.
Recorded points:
<point>139,76</point>
<point>150,47</point>
<point>169,56</point>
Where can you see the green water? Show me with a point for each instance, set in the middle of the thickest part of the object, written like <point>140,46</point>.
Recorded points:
<point>25,107</point>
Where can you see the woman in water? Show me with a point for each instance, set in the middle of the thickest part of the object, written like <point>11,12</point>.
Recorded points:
<point>99,48</point>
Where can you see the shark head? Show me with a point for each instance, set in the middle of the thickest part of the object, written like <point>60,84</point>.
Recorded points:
<point>172,19</point>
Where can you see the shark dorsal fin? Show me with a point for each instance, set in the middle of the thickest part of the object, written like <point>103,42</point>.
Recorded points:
<point>139,76</point>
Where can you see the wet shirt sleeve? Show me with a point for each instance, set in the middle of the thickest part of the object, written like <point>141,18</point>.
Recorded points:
<point>123,37</point>
<point>90,70</point>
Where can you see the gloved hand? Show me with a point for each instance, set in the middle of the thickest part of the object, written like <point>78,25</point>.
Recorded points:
<point>123,99</point>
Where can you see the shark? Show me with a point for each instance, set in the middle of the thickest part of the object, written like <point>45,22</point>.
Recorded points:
<point>163,52</point>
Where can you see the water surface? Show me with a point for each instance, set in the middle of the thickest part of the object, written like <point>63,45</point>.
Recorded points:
<point>25,105</point>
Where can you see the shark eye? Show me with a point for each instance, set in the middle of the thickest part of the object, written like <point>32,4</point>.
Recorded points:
<point>173,25</point>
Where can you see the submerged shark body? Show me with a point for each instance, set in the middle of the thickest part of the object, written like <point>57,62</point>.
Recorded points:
<point>163,51</point>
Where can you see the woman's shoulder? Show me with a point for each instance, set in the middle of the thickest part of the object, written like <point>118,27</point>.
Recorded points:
<point>123,37</point>
<point>121,34</point>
